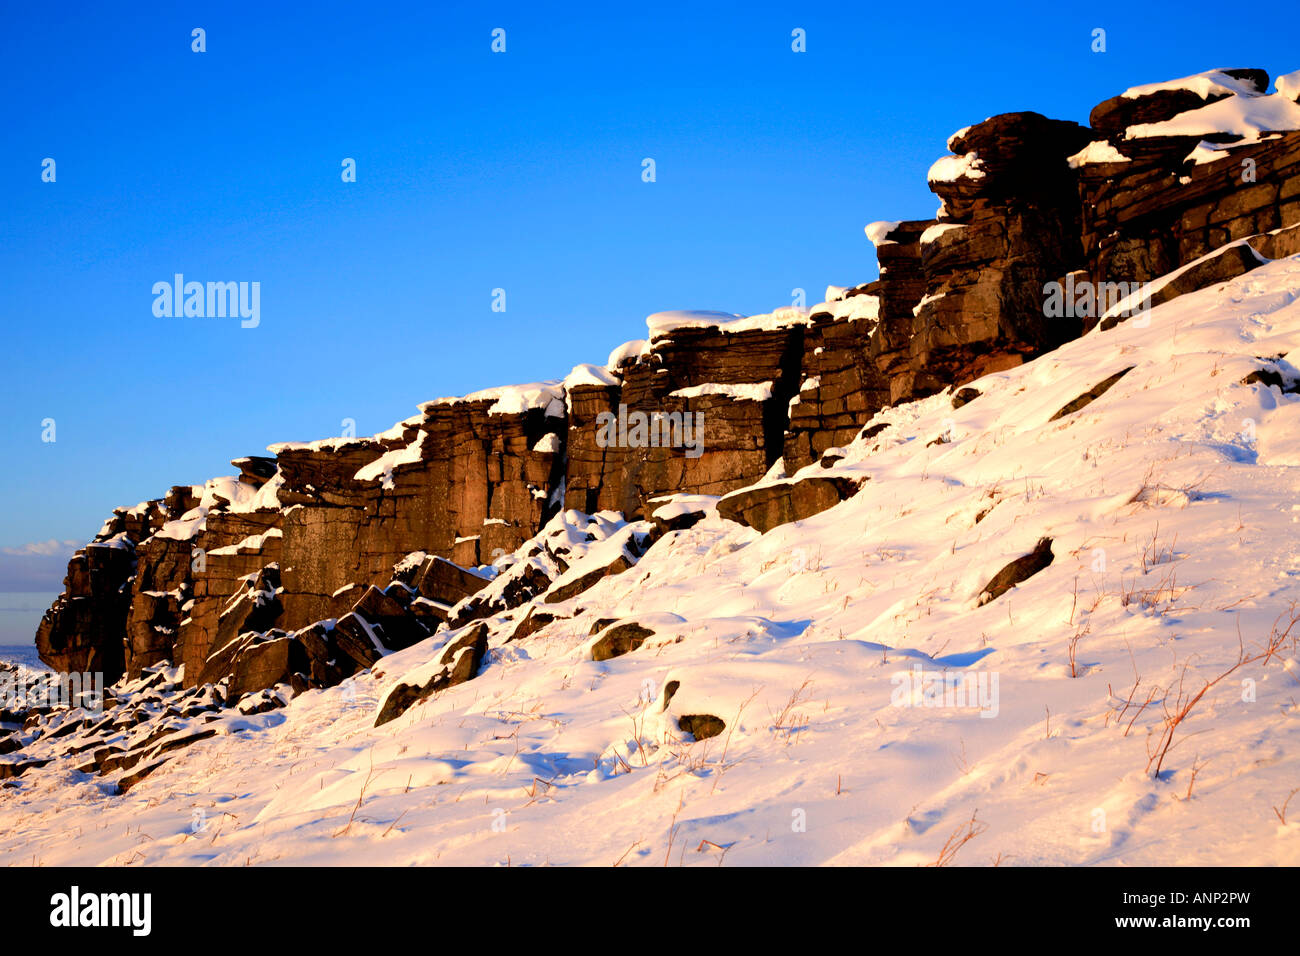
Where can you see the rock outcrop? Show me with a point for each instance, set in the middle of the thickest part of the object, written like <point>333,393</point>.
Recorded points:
<point>320,559</point>
<point>1177,170</point>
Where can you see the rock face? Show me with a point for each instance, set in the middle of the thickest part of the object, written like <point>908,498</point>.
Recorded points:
<point>84,629</point>
<point>840,385</point>
<point>1175,173</point>
<point>1008,224</point>
<point>317,560</point>
<point>733,385</point>
<point>468,481</point>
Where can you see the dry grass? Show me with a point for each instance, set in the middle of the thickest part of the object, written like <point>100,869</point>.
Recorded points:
<point>1176,715</point>
<point>1281,813</point>
<point>959,838</point>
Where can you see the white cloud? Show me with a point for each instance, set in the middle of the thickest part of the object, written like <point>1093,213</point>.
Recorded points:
<point>46,549</point>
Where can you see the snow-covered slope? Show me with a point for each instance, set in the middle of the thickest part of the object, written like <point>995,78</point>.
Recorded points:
<point>1171,501</point>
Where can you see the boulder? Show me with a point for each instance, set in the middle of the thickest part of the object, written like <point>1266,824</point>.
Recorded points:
<point>1115,115</point>
<point>1022,568</point>
<point>771,505</point>
<point>1091,395</point>
<point>619,640</point>
<point>532,622</point>
<point>461,661</point>
<point>701,726</point>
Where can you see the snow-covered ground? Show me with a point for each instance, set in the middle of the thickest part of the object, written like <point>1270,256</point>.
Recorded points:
<point>1172,505</point>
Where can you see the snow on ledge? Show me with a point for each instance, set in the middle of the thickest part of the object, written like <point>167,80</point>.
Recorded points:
<point>627,352</point>
<point>662,324</point>
<point>1207,84</point>
<point>588,375</point>
<point>757,392</point>
<point>548,444</point>
<point>512,399</point>
<point>878,232</point>
<point>383,465</point>
<point>938,229</point>
<point>1098,151</point>
<point>949,169</point>
<point>1288,85</point>
<point>675,506</point>
<point>1247,116</point>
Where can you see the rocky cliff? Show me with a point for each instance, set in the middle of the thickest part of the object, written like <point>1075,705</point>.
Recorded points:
<point>319,559</point>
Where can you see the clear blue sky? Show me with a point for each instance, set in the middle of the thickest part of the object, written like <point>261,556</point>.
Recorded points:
<point>475,171</point>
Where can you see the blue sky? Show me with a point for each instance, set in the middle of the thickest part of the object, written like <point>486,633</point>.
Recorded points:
<point>475,171</point>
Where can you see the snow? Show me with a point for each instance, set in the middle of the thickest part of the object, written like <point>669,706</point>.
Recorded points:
<point>1170,503</point>
<point>1136,301</point>
<point>185,527</point>
<point>855,308</point>
<point>254,542</point>
<point>589,375</point>
<point>949,169</point>
<point>320,444</point>
<point>662,324</point>
<point>1249,117</point>
<point>226,493</point>
<point>627,352</point>
<point>1288,85</point>
<point>512,399</point>
<point>878,232</point>
<point>926,300</point>
<point>1204,85</point>
<point>1098,151</point>
<point>265,498</point>
<point>399,430</point>
<point>549,444</point>
<point>675,506</point>
<point>938,229</point>
<point>382,467</point>
<point>757,392</point>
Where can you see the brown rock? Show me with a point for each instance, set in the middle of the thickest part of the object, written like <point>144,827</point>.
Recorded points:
<point>769,506</point>
<point>620,640</point>
<point>461,659</point>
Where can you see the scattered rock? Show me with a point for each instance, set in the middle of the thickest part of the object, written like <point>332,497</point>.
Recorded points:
<point>533,622</point>
<point>16,768</point>
<point>769,506</point>
<point>1020,569</point>
<point>1271,376</point>
<point>461,659</point>
<point>620,640</point>
<point>701,726</point>
<point>1091,395</point>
